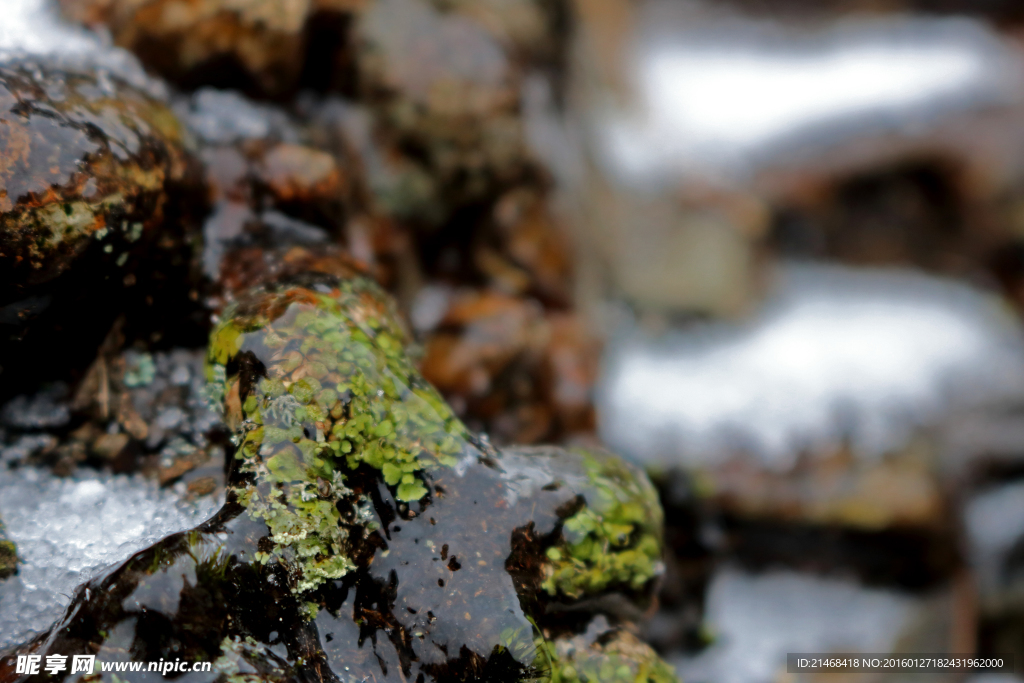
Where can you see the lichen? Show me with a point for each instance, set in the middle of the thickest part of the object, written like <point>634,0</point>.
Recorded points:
<point>614,539</point>
<point>317,382</point>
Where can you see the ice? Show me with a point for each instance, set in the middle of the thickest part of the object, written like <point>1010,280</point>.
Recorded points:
<point>757,619</point>
<point>837,353</point>
<point>68,530</point>
<point>35,28</point>
<point>721,94</point>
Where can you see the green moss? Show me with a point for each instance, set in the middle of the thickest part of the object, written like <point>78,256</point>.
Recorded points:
<point>335,393</point>
<point>618,657</point>
<point>614,539</point>
<point>8,559</point>
<point>8,555</point>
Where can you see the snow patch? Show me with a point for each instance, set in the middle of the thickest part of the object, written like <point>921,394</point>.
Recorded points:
<point>68,530</point>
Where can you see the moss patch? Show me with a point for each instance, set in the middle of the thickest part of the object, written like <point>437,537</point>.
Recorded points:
<point>614,539</point>
<point>318,383</point>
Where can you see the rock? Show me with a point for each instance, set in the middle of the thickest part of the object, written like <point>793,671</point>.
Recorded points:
<point>369,534</point>
<point>90,170</point>
<point>86,159</point>
<point>435,97</point>
<point>441,82</point>
<point>219,42</point>
<point>513,370</point>
<point>8,555</point>
<point>266,187</point>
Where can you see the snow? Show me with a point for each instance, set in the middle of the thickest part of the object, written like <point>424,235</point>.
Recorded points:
<point>68,530</point>
<point>861,354</point>
<point>723,93</point>
<point>757,619</point>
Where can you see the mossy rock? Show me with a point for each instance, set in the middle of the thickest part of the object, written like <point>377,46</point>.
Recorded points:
<point>368,534</point>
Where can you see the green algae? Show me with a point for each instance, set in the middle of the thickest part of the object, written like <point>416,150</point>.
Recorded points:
<point>323,387</point>
<point>614,539</point>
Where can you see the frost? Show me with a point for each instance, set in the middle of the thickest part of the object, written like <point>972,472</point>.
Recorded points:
<point>68,530</point>
<point>865,355</point>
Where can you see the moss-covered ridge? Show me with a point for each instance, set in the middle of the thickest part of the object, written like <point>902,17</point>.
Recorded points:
<point>316,380</point>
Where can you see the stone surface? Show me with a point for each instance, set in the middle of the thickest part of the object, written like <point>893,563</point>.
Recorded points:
<point>369,533</point>
<point>91,172</point>
<point>255,42</point>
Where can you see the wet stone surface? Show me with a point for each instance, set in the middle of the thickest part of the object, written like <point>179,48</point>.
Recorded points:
<point>223,42</point>
<point>90,170</point>
<point>369,535</point>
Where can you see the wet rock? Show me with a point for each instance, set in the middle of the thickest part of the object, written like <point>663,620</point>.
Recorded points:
<point>368,533</point>
<point>256,43</point>
<point>88,167</point>
<point>436,92</point>
<point>264,185</point>
<point>87,159</point>
<point>8,555</point>
<point>441,83</point>
<point>271,193</point>
<point>515,371</point>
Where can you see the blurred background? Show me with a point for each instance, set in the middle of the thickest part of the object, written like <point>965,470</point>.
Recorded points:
<point>801,242</point>
<point>773,251</point>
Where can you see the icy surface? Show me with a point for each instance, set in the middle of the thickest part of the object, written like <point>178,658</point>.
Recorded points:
<point>863,354</point>
<point>995,526</point>
<point>724,93</point>
<point>68,530</point>
<point>35,28</point>
<point>757,619</point>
